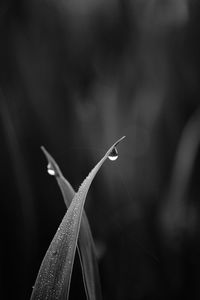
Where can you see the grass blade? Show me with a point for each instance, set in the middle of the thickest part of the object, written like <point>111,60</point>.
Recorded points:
<point>53,280</point>
<point>86,248</point>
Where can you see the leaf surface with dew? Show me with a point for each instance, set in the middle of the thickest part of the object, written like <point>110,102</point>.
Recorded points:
<point>53,280</point>
<point>85,246</point>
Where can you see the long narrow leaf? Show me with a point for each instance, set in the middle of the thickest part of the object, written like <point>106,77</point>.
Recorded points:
<point>53,280</point>
<point>86,248</point>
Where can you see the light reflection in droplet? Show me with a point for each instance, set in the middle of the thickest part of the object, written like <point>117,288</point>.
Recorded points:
<point>113,154</point>
<point>50,170</point>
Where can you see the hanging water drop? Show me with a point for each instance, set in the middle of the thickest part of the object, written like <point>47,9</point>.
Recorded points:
<point>50,170</point>
<point>113,154</point>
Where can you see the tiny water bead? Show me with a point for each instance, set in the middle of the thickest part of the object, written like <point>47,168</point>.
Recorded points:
<point>113,154</point>
<point>50,170</point>
<point>54,252</point>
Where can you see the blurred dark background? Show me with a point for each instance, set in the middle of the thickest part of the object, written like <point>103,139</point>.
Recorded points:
<point>74,77</point>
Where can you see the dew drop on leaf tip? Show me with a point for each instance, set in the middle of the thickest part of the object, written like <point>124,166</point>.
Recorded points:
<point>113,154</point>
<point>50,170</point>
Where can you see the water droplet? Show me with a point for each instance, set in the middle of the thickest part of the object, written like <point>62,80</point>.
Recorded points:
<point>50,170</point>
<point>113,154</point>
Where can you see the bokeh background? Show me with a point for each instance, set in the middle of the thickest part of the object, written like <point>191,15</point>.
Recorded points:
<point>75,76</point>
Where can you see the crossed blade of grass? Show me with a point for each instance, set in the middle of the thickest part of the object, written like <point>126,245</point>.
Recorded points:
<point>54,276</point>
<point>85,246</point>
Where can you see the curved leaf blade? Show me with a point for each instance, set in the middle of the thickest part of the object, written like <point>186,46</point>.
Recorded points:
<point>53,280</point>
<point>86,247</point>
